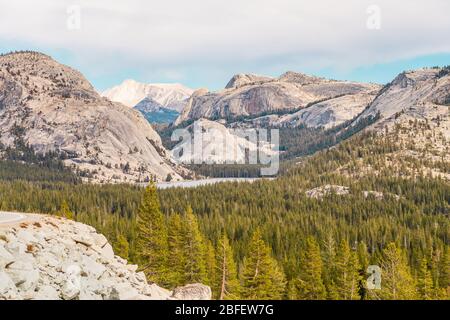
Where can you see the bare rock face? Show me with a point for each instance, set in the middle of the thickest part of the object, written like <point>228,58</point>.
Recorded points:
<point>48,258</point>
<point>240,80</point>
<point>252,96</point>
<point>219,145</point>
<point>196,291</point>
<point>411,90</point>
<point>326,114</point>
<point>52,107</point>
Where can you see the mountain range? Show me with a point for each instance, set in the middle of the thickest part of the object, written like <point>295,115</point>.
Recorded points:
<point>328,108</point>
<point>285,99</point>
<point>50,107</point>
<point>158,102</point>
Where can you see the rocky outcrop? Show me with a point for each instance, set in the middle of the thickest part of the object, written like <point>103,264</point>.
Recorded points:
<point>241,80</point>
<point>329,189</point>
<point>219,144</point>
<point>250,96</point>
<point>322,191</point>
<point>52,107</point>
<point>411,90</point>
<point>44,257</point>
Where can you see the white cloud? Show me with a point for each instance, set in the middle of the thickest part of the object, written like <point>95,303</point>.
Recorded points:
<point>170,33</point>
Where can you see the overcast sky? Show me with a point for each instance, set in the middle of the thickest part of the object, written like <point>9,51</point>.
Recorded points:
<point>202,43</point>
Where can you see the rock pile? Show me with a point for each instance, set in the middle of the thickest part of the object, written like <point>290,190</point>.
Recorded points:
<point>52,258</point>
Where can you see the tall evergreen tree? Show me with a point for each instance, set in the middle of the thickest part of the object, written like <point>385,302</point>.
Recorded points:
<point>363,260</point>
<point>194,249</point>
<point>444,271</point>
<point>425,281</point>
<point>176,259</point>
<point>309,284</point>
<point>151,242</point>
<point>262,278</point>
<point>363,255</point>
<point>347,277</point>
<point>210,263</point>
<point>396,280</point>
<point>226,284</point>
<point>329,270</point>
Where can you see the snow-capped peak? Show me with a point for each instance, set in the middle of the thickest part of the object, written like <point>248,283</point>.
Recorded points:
<point>130,93</point>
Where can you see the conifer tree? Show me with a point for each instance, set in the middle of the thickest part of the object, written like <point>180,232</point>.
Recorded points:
<point>444,271</point>
<point>64,211</point>
<point>176,259</point>
<point>226,284</point>
<point>262,278</point>
<point>347,277</point>
<point>329,270</point>
<point>121,246</point>
<point>292,293</point>
<point>309,284</point>
<point>332,291</point>
<point>363,260</point>
<point>194,249</point>
<point>425,281</point>
<point>363,256</point>
<point>151,242</point>
<point>396,280</point>
<point>210,263</point>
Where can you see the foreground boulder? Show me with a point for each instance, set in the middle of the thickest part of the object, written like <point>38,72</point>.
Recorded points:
<point>194,291</point>
<point>48,258</point>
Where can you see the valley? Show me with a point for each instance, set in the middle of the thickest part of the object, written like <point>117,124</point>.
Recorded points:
<point>363,180</point>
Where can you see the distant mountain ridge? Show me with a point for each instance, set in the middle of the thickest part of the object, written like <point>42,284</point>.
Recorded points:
<point>155,112</point>
<point>130,93</point>
<point>253,96</point>
<point>339,108</point>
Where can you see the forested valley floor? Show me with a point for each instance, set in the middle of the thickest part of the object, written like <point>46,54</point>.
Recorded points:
<point>272,239</point>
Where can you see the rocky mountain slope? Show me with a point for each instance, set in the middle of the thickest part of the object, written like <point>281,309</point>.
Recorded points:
<point>219,144</point>
<point>414,117</point>
<point>325,114</point>
<point>410,90</point>
<point>52,107</point>
<point>250,96</point>
<point>415,105</point>
<point>130,93</point>
<point>48,258</point>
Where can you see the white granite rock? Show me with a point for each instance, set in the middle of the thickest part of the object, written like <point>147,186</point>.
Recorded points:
<point>5,257</point>
<point>8,289</point>
<point>194,291</point>
<point>47,292</point>
<point>62,259</point>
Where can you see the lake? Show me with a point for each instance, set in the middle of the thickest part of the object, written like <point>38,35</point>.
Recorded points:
<point>203,182</point>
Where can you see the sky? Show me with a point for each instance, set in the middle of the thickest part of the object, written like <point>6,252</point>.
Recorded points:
<point>203,43</point>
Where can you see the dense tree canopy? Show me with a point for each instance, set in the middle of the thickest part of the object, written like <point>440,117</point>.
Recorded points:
<point>268,239</point>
